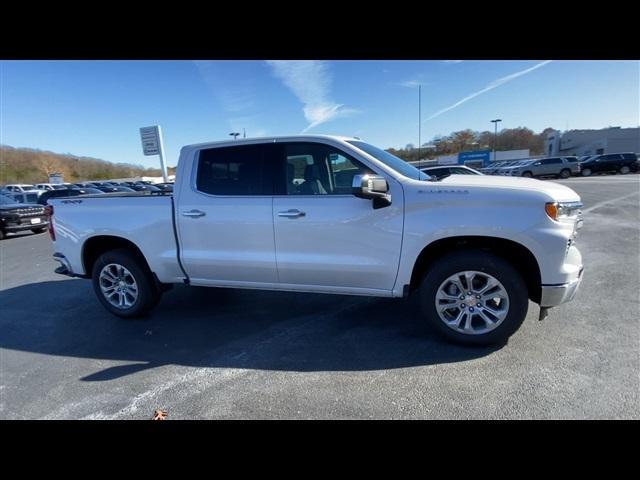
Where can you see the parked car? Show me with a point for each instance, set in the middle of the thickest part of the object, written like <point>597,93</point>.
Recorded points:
<point>446,170</point>
<point>474,250</point>
<point>18,187</point>
<point>492,167</point>
<point>118,189</point>
<point>507,167</point>
<point>25,196</point>
<point>49,186</point>
<point>69,192</point>
<point>167,187</point>
<point>558,167</point>
<point>18,217</point>
<point>610,162</point>
<point>509,163</point>
<point>139,187</point>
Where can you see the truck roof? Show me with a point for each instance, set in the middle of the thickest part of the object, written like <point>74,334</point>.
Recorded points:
<point>274,138</point>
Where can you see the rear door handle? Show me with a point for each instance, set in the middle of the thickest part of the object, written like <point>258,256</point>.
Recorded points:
<point>194,213</point>
<point>291,213</point>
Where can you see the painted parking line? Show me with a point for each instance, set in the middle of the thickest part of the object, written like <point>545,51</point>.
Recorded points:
<point>607,202</point>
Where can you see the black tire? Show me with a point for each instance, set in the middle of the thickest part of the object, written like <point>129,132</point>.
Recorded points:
<point>2,234</point>
<point>624,170</point>
<point>565,173</point>
<point>527,174</point>
<point>480,261</point>
<point>38,230</point>
<point>586,172</point>
<point>148,293</point>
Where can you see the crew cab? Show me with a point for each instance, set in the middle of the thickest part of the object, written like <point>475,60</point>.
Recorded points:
<point>327,214</point>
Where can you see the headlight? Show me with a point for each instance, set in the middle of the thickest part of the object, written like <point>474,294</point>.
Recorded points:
<point>558,210</point>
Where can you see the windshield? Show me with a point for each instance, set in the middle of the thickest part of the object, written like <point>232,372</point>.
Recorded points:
<point>391,161</point>
<point>4,200</point>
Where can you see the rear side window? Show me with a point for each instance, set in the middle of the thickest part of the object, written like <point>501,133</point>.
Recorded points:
<point>234,171</point>
<point>551,161</point>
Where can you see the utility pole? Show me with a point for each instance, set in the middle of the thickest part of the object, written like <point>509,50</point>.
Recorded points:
<point>495,137</point>
<point>244,133</point>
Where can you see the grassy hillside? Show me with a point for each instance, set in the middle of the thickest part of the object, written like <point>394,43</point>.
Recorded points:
<point>25,165</point>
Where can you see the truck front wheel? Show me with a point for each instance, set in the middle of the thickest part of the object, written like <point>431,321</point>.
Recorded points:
<point>474,297</point>
<point>124,284</point>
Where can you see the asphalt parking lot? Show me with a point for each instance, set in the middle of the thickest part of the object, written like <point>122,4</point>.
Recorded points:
<point>222,353</point>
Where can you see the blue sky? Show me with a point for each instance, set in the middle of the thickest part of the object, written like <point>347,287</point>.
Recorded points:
<point>95,108</point>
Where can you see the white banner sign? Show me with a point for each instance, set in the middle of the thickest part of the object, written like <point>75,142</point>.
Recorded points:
<point>150,140</point>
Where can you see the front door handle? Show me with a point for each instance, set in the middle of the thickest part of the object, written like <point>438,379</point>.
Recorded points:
<point>292,213</point>
<point>194,213</point>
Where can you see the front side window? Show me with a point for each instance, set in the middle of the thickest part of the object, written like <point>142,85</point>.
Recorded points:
<point>234,171</point>
<point>319,169</point>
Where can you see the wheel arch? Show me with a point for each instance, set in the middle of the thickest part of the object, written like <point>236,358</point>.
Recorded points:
<point>515,253</point>
<point>95,246</point>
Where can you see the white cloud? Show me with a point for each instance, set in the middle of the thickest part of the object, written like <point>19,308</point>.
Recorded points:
<point>235,94</point>
<point>411,83</point>
<point>453,61</point>
<point>491,86</point>
<point>310,82</point>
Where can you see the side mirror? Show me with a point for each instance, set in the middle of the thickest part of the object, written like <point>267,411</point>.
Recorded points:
<point>373,187</point>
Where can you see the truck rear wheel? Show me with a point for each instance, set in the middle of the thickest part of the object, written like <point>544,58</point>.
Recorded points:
<point>474,298</point>
<point>124,285</point>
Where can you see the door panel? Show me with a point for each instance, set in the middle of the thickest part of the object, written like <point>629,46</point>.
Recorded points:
<point>340,241</point>
<point>324,235</point>
<point>225,218</point>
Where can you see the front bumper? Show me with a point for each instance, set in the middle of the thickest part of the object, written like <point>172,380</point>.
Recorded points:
<point>12,227</point>
<point>554,295</point>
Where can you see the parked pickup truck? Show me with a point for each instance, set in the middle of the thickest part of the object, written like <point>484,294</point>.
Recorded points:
<point>331,215</point>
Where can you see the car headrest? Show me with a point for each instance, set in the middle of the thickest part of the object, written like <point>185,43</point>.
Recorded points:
<point>311,172</point>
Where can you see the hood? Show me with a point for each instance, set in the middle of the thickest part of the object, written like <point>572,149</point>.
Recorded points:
<point>13,206</point>
<point>556,191</point>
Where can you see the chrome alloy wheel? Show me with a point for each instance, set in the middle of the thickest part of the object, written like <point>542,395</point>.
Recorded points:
<point>472,303</point>
<point>118,286</point>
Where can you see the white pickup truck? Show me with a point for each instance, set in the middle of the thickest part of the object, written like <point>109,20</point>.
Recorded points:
<point>330,214</point>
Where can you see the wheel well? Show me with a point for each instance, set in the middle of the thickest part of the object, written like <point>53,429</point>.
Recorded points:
<point>96,246</point>
<point>516,254</point>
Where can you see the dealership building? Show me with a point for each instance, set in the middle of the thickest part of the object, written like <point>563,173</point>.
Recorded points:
<point>475,158</point>
<point>593,142</point>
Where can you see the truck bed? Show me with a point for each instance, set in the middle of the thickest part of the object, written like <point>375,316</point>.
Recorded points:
<point>143,219</point>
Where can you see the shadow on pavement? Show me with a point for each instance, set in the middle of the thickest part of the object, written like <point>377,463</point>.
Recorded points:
<point>224,328</point>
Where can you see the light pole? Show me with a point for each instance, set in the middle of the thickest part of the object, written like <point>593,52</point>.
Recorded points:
<point>419,120</point>
<point>234,135</point>
<point>495,137</point>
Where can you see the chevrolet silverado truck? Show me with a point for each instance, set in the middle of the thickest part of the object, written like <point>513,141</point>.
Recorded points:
<point>330,214</point>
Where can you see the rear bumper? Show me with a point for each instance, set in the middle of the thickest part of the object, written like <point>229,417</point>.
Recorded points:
<point>65,266</point>
<point>554,295</point>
